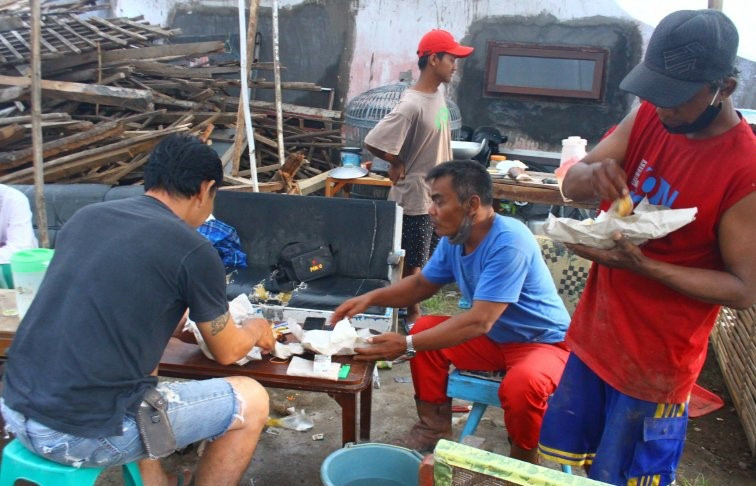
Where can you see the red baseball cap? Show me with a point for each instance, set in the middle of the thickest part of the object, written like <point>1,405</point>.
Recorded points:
<point>438,40</point>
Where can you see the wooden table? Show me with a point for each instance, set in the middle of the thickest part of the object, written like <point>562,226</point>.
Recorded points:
<point>184,360</point>
<point>333,185</point>
<point>536,191</point>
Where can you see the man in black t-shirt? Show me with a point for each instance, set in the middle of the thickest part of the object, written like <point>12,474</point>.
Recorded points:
<point>123,275</point>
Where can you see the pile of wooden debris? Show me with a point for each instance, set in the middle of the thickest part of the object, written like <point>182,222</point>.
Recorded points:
<point>112,88</point>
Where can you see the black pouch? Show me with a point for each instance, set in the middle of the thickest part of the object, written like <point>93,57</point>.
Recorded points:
<point>154,426</point>
<point>300,262</point>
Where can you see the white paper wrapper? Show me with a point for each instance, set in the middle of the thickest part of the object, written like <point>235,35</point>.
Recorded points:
<point>304,367</point>
<point>340,341</point>
<point>646,223</point>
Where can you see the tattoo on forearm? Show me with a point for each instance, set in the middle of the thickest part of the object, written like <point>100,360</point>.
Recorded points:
<point>218,324</point>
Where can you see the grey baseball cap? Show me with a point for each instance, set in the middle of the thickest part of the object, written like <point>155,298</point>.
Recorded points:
<point>688,49</point>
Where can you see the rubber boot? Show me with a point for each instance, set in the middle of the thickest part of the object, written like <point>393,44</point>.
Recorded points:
<point>434,424</point>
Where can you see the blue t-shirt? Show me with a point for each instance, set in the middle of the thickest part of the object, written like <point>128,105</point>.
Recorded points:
<point>506,267</point>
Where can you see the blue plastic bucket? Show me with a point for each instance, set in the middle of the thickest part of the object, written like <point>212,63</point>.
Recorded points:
<point>350,156</point>
<point>371,465</point>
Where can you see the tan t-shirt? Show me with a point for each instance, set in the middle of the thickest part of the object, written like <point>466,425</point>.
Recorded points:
<point>417,130</point>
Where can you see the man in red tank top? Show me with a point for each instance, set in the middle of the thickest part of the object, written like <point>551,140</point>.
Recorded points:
<point>640,331</point>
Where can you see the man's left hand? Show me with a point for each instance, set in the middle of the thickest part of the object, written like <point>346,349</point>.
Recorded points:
<point>387,346</point>
<point>624,255</point>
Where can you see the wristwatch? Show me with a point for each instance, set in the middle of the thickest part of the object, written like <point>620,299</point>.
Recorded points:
<point>410,352</point>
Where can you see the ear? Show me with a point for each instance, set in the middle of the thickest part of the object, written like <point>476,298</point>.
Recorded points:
<point>207,190</point>
<point>474,204</point>
<point>730,83</point>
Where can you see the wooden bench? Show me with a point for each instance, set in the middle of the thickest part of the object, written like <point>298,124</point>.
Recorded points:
<point>184,360</point>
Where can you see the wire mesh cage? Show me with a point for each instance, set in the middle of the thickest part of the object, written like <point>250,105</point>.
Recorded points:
<point>365,110</point>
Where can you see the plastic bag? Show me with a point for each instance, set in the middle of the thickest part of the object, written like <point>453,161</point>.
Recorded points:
<point>296,421</point>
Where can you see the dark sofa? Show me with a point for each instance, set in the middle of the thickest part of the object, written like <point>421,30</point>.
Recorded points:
<point>364,236</point>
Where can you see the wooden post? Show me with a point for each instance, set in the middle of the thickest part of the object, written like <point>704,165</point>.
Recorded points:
<point>277,85</point>
<point>716,4</point>
<point>36,114</point>
<point>243,119</point>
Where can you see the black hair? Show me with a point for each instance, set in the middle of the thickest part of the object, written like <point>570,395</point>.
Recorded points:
<point>180,164</point>
<point>469,178</point>
<point>422,63</point>
<point>720,83</point>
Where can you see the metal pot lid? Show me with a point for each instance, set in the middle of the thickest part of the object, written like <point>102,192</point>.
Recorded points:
<point>348,172</point>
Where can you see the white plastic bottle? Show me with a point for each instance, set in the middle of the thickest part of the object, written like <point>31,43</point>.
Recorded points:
<point>573,150</point>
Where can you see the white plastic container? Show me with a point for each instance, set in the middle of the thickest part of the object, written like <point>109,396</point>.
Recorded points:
<point>573,150</point>
<point>29,268</point>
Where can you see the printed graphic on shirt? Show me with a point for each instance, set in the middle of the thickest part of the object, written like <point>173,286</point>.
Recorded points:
<point>442,118</point>
<point>647,183</point>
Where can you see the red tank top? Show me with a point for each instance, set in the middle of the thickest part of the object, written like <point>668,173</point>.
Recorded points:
<point>641,337</point>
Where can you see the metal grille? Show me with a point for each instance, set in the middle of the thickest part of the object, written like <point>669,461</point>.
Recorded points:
<point>364,111</point>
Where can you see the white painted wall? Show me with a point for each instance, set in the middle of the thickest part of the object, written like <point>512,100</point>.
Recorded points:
<point>388,30</point>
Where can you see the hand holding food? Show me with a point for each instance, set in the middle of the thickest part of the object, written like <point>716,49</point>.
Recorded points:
<point>623,206</point>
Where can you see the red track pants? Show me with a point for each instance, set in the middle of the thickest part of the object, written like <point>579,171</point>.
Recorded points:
<point>532,370</point>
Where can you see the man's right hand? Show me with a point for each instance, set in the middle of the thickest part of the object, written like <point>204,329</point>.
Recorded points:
<point>608,180</point>
<point>396,171</point>
<point>262,328</point>
<point>350,308</point>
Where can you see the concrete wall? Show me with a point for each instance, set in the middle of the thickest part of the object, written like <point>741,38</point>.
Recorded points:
<point>356,45</point>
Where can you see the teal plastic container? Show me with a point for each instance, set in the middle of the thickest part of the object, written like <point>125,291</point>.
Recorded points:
<point>350,156</point>
<point>29,267</point>
<point>371,465</point>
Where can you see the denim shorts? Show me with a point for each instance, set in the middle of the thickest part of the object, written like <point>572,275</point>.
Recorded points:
<point>196,409</point>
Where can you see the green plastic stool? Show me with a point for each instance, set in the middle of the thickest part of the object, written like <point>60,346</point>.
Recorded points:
<point>20,463</point>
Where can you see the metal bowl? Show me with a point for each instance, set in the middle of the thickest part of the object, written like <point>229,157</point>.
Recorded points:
<point>466,150</point>
<point>348,172</point>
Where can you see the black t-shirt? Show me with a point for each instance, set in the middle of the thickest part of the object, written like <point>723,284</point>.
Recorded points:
<point>122,275</point>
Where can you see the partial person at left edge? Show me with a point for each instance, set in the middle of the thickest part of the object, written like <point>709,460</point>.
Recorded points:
<point>84,360</point>
<point>16,232</point>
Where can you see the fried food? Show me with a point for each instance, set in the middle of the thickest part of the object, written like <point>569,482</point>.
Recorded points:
<point>623,206</point>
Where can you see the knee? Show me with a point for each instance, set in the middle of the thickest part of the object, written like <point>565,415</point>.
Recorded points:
<point>427,322</point>
<point>253,399</point>
<point>524,389</point>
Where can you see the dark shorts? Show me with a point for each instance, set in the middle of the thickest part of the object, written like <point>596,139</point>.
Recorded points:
<point>417,233</point>
<point>625,440</point>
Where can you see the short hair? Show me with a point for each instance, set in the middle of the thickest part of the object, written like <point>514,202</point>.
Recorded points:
<point>422,62</point>
<point>469,178</point>
<point>179,164</point>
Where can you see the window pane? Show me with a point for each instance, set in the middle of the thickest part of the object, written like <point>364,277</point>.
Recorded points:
<point>545,72</point>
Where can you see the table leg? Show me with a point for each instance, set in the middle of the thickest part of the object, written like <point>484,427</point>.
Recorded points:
<point>348,403</point>
<point>366,408</point>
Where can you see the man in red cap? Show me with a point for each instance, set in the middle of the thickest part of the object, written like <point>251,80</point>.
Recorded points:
<point>414,138</point>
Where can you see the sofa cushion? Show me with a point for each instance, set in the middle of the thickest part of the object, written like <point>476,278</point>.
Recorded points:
<point>330,292</point>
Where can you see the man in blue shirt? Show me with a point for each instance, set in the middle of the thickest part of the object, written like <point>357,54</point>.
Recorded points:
<point>517,321</point>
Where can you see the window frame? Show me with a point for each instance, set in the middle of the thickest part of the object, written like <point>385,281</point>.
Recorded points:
<point>498,48</point>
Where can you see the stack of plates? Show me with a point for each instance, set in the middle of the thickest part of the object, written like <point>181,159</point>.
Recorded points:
<point>348,172</point>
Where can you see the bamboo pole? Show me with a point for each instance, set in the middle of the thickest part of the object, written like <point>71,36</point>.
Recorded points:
<point>277,85</point>
<point>36,114</point>
<point>243,116</point>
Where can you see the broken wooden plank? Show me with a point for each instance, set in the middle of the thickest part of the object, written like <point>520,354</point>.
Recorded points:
<point>97,31</point>
<point>147,27</point>
<point>135,99</point>
<point>127,32</point>
<point>62,39</point>
<point>10,48</point>
<point>10,134</point>
<point>154,68</point>
<point>308,186</point>
<point>9,160</point>
<point>12,94</point>
<point>27,118</point>
<point>297,109</point>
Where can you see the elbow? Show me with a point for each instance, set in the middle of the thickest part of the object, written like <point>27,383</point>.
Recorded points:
<point>743,303</point>
<point>226,359</point>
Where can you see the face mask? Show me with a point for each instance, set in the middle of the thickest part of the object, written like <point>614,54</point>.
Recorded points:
<point>703,120</point>
<point>464,231</point>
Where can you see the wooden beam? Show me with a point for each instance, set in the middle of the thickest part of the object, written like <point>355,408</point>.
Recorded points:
<point>11,133</point>
<point>103,131</point>
<point>154,68</point>
<point>135,99</point>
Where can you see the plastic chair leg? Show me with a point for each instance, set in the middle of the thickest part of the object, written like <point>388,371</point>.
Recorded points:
<point>131,474</point>
<point>472,421</point>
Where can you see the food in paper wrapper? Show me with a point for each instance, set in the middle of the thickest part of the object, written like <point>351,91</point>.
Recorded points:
<point>646,223</point>
<point>622,207</point>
